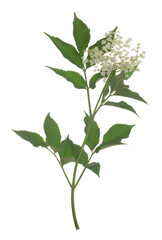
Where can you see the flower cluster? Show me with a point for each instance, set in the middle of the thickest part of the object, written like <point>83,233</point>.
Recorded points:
<point>115,54</point>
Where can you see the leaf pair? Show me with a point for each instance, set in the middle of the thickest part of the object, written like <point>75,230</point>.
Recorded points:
<point>52,132</point>
<point>81,35</point>
<point>71,152</point>
<point>68,151</point>
<point>111,138</point>
<point>118,88</point>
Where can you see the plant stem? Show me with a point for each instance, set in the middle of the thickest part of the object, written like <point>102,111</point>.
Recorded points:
<point>61,167</point>
<point>83,171</point>
<point>72,199</point>
<point>88,95</point>
<point>73,186</point>
<point>96,109</point>
<point>74,178</point>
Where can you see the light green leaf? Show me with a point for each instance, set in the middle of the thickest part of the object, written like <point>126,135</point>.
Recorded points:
<point>68,51</point>
<point>94,79</point>
<point>75,78</point>
<point>129,73</point>
<point>95,167</point>
<point>52,132</point>
<point>125,92</point>
<point>116,82</point>
<point>35,139</point>
<point>121,104</point>
<point>81,34</point>
<point>93,133</point>
<point>114,136</point>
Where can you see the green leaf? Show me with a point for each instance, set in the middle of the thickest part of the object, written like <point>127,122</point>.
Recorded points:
<point>95,167</point>
<point>94,79</point>
<point>121,104</point>
<point>114,136</point>
<point>35,139</point>
<point>99,45</point>
<point>111,77</point>
<point>81,34</point>
<point>125,92</point>
<point>67,151</point>
<point>70,152</point>
<point>68,51</point>
<point>52,132</point>
<point>116,82</point>
<point>93,133</point>
<point>75,78</point>
<point>99,42</point>
<point>129,73</point>
<point>83,158</point>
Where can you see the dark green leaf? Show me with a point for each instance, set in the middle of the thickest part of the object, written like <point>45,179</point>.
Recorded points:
<point>114,136</point>
<point>94,79</point>
<point>121,104</point>
<point>35,139</point>
<point>125,92</point>
<point>68,51</point>
<point>70,152</point>
<point>111,77</point>
<point>52,132</point>
<point>67,148</point>
<point>99,42</point>
<point>95,167</point>
<point>93,132</point>
<point>99,45</point>
<point>75,78</point>
<point>105,93</point>
<point>81,34</point>
<point>83,158</point>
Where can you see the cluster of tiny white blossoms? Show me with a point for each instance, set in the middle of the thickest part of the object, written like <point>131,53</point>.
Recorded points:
<point>115,54</point>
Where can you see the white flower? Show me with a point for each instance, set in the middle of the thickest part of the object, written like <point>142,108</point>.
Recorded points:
<point>115,54</point>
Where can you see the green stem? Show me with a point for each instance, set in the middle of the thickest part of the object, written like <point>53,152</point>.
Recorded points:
<point>61,167</point>
<point>72,199</point>
<point>96,110</point>
<point>74,178</point>
<point>83,170</point>
<point>73,186</point>
<point>94,113</point>
<point>88,94</point>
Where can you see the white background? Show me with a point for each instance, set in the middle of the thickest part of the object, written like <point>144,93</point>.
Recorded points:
<point>125,203</point>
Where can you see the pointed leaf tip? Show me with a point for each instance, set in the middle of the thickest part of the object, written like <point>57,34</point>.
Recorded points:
<point>67,50</point>
<point>74,77</point>
<point>114,136</point>
<point>81,34</point>
<point>51,129</point>
<point>94,167</point>
<point>34,138</point>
